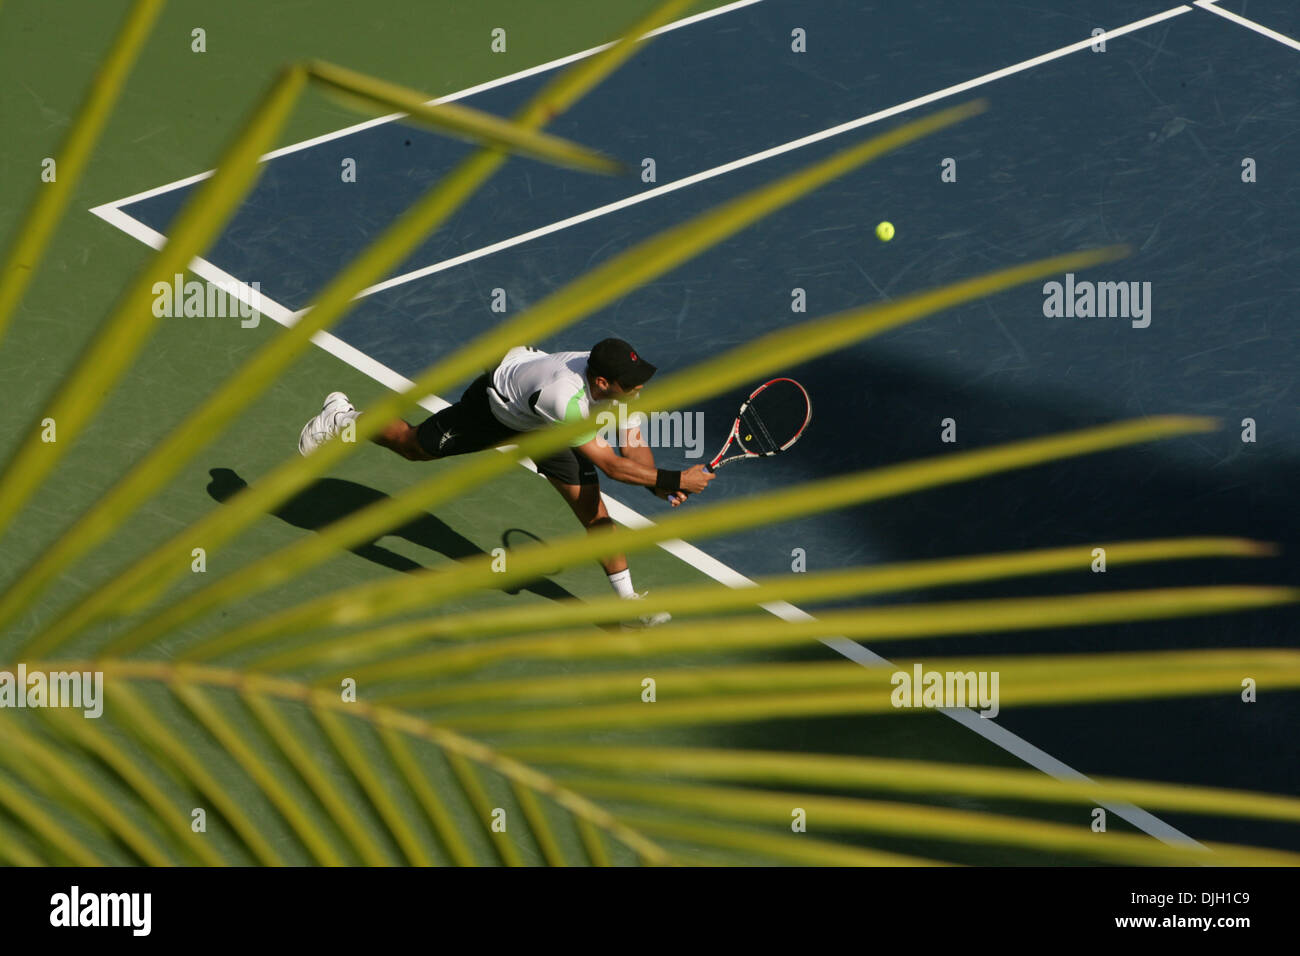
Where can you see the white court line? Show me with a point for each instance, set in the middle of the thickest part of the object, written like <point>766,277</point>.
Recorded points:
<point>450,97</point>
<point>1248,24</point>
<point>269,307</point>
<point>767,153</point>
<point>688,553</point>
<point>691,180</point>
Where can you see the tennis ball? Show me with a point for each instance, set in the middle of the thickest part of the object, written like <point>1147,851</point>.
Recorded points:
<point>885,231</point>
<point>748,437</point>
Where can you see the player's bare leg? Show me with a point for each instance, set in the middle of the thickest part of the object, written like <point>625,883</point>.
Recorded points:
<point>589,509</point>
<point>401,437</point>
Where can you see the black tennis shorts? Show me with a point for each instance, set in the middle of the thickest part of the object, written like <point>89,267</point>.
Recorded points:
<point>469,426</point>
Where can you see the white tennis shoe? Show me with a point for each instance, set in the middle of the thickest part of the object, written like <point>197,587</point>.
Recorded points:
<point>646,620</point>
<point>334,415</point>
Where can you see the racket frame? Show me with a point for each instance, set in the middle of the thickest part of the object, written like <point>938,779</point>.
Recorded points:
<point>719,461</point>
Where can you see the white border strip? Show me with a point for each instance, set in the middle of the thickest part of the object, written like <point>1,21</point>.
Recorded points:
<point>688,553</point>
<point>1248,24</point>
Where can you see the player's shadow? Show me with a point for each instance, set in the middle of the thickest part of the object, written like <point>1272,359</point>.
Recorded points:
<point>332,499</point>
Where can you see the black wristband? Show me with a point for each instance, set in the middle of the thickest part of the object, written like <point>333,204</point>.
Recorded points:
<point>668,480</point>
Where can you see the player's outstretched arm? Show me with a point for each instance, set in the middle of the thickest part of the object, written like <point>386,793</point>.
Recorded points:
<point>635,470</point>
<point>632,445</point>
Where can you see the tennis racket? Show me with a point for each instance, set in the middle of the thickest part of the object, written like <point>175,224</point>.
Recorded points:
<point>770,421</point>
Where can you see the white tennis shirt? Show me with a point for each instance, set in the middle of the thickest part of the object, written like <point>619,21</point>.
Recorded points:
<point>532,389</point>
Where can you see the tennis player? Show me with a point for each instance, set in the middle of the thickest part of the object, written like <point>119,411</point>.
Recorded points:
<point>531,389</point>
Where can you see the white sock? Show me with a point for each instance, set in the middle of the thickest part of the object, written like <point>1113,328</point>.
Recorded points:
<point>621,582</point>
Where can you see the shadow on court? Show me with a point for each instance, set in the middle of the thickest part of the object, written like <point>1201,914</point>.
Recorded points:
<point>1205,485</point>
<point>333,499</point>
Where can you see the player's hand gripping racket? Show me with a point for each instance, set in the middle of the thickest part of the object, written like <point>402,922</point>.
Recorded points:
<point>770,421</point>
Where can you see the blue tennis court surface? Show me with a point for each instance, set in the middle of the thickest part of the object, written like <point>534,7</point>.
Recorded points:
<point>1143,143</point>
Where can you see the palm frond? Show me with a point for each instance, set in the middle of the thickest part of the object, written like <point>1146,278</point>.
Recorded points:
<point>769,353</point>
<point>712,598</point>
<point>461,121</point>
<point>718,805</point>
<point>409,742</point>
<point>909,622</point>
<point>644,261</point>
<point>698,816</point>
<point>37,228</point>
<point>124,332</point>
<point>741,694</point>
<point>906,776</point>
<point>388,598</point>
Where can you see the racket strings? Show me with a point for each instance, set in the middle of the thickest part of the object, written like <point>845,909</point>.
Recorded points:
<point>769,421</point>
<point>755,425</point>
<point>775,416</point>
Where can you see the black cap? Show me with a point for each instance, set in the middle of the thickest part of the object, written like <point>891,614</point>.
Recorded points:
<point>617,361</point>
